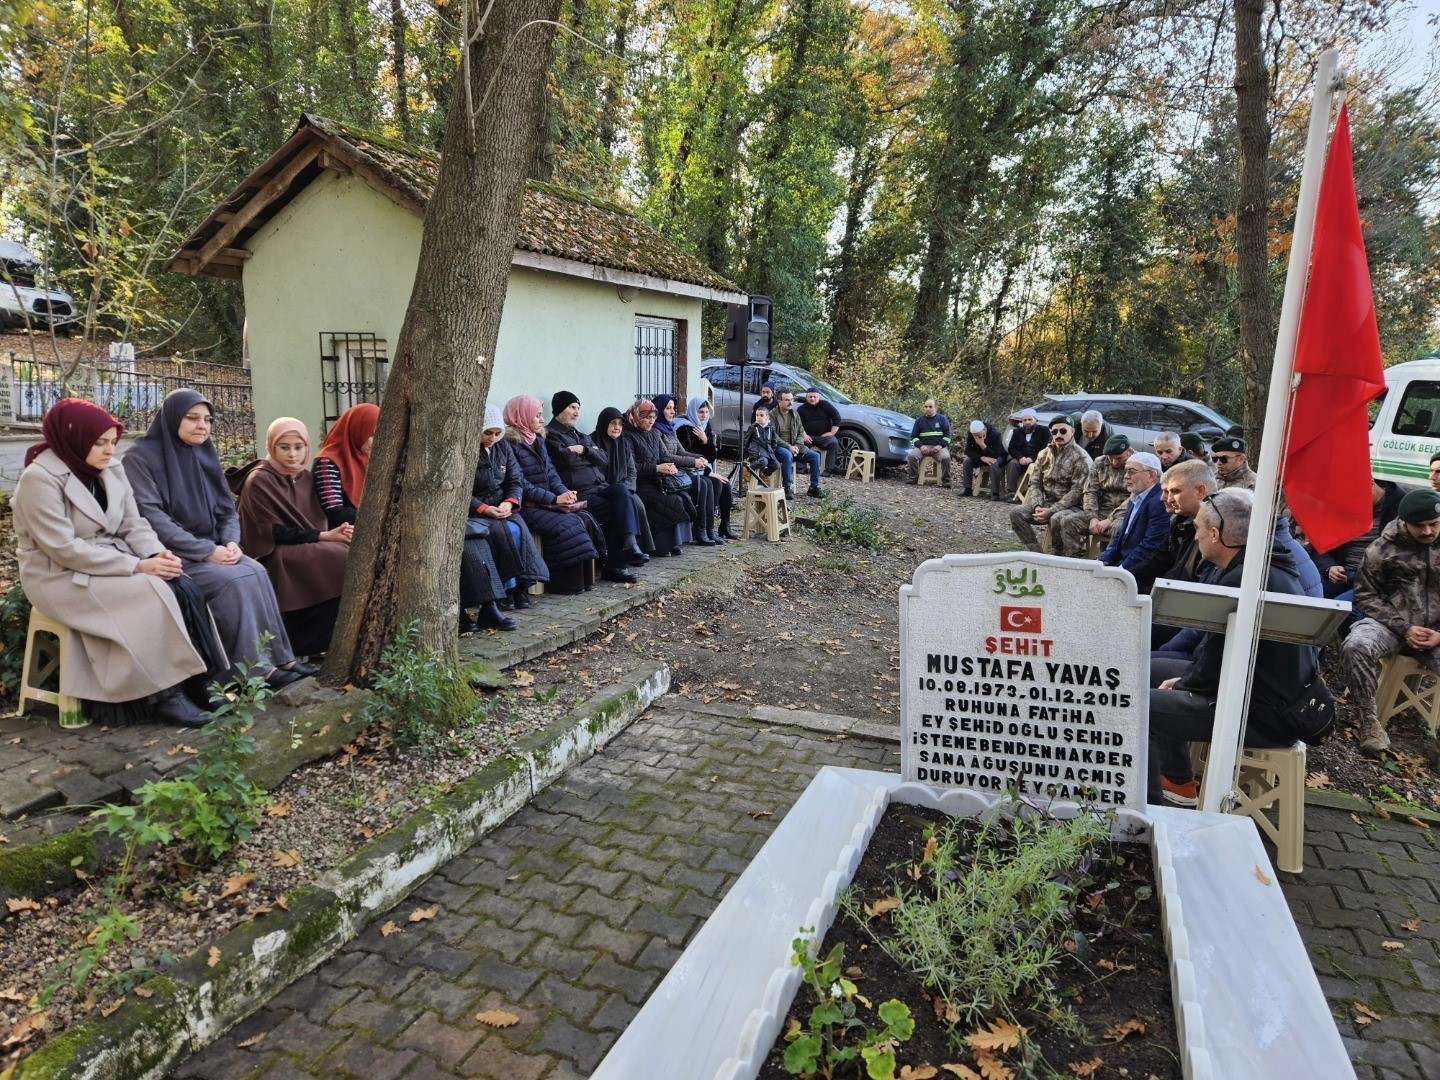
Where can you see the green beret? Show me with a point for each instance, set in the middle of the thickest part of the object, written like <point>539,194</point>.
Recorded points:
<point>1061,419</point>
<point>1420,505</point>
<point>1229,446</point>
<point>1116,444</point>
<point>1192,441</point>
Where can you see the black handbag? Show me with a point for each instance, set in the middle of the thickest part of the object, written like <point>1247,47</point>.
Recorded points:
<point>476,529</point>
<point>1312,715</point>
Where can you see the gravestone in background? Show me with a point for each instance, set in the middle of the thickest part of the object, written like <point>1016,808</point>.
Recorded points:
<point>1028,670</point>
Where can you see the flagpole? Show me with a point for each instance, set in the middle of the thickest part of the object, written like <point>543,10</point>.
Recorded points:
<point>1235,670</point>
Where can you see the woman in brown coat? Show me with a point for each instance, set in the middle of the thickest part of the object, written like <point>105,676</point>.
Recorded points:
<point>283,529</point>
<point>89,561</point>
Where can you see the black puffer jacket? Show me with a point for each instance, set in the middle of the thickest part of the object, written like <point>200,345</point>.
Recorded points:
<point>579,472</point>
<point>567,539</point>
<point>664,507</point>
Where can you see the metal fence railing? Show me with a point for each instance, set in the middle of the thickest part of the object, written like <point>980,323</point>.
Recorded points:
<point>133,393</point>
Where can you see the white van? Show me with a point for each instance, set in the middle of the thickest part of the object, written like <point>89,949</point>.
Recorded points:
<point>24,299</point>
<point>1405,429</point>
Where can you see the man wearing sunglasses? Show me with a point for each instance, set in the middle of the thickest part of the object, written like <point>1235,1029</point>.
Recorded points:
<point>1232,467</point>
<point>1398,592</point>
<point>1182,705</point>
<point>1056,484</point>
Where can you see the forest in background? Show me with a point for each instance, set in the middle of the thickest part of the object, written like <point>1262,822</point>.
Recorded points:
<point>977,199</point>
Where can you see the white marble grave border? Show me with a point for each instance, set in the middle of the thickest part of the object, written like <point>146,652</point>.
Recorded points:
<point>1247,1002</point>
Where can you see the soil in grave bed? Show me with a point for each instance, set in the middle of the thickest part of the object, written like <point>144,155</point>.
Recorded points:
<point>1112,973</point>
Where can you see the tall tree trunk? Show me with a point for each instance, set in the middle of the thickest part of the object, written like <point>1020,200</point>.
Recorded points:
<point>405,562</point>
<point>399,27</point>
<point>1252,221</point>
<point>848,300</point>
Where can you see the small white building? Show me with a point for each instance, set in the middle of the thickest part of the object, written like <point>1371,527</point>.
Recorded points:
<point>325,240</point>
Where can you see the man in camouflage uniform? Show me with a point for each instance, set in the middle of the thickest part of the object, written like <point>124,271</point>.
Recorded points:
<point>1056,484</point>
<point>1398,592</point>
<point>1101,498</point>
<point>1232,466</point>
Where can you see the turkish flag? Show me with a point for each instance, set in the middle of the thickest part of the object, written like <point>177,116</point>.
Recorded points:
<point>1337,356</point>
<point>1020,620</point>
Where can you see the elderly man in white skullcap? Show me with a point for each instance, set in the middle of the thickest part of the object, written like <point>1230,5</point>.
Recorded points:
<point>984,449</point>
<point>1143,530</point>
<point>1026,442</point>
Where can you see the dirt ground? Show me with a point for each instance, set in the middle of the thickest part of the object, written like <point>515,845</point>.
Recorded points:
<point>822,633</point>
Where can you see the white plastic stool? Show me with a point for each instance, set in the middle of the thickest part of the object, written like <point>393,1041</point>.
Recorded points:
<point>862,466</point>
<point>767,512</point>
<point>42,661</point>
<point>1275,778</point>
<point>1405,683</point>
<point>929,470</point>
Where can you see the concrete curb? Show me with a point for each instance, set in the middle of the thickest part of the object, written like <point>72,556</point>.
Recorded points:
<point>195,1003</point>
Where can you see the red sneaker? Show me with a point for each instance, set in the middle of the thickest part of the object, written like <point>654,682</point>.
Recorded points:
<point>1186,794</point>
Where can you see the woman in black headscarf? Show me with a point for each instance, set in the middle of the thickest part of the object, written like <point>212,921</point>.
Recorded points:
<point>659,481</point>
<point>609,436</point>
<point>581,465</point>
<point>180,490</point>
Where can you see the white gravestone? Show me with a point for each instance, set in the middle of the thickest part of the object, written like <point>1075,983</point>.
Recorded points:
<point>1026,669</point>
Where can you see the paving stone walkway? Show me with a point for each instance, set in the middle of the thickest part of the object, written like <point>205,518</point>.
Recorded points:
<point>571,913</point>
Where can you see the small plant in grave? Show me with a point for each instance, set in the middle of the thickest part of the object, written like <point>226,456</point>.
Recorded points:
<point>835,1036</point>
<point>840,521</point>
<point>423,702</point>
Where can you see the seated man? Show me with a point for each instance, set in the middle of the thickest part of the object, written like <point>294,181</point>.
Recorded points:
<point>1056,484</point>
<point>983,449</point>
<point>793,445</point>
<point>822,423</point>
<point>1168,448</point>
<point>1193,446</point>
<point>1026,442</point>
<point>1145,526</point>
<point>1339,566</point>
<point>1232,468</point>
<point>765,401</point>
<point>1104,493</point>
<point>1398,593</point>
<point>1182,705</point>
<point>1094,433</point>
<point>930,437</point>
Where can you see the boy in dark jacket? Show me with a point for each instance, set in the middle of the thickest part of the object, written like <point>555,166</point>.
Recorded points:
<point>761,447</point>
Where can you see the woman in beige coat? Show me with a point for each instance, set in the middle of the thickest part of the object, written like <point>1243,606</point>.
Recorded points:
<point>89,561</point>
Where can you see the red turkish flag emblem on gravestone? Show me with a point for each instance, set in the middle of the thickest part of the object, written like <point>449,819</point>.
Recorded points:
<point>1020,620</point>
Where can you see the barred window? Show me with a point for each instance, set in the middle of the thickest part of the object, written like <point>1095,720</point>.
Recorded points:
<point>353,365</point>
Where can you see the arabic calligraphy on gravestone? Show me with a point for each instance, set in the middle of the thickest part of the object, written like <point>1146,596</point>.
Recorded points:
<point>1026,670</point>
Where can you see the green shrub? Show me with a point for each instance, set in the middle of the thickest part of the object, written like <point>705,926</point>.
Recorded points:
<point>423,701</point>
<point>840,521</point>
<point>14,625</point>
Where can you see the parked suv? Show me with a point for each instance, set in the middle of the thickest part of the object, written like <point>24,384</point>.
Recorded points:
<point>862,427</point>
<point>1138,417</point>
<point>24,300</point>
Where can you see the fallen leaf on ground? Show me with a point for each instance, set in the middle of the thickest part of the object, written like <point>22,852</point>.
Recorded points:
<point>1392,946</point>
<point>112,1008</point>
<point>23,903</point>
<point>390,929</point>
<point>962,1071</point>
<point>920,1072</point>
<point>144,992</point>
<point>322,732</point>
<point>25,1029</point>
<point>931,846</point>
<point>285,859</point>
<point>1413,926</point>
<point>915,872</point>
<point>997,1035</point>
<point>1365,1015</point>
<point>235,885</point>
<point>523,678</point>
<point>149,744</point>
<point>880,907</point>
<point>1356,818</point>
<point>423,914</point>
<point>991,1067</point>
<point>278,809</point>
<point>854,973</point>
<point>497,1018</point>
<point>181,748</point>
<point>1319,781</point>
<point>1086,1068</point>
<point>213,955</point>
<point>758,814</point>
<point>1105,965</point>
<point>11,995</point>
<point>254,1040</point>
<point>1120,1032</point>
<point>282,903</point>
<point>1262,877</point>
<point>1418,823</point>
<point>1382,813</point>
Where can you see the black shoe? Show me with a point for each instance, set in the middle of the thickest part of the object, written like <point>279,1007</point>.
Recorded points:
<point>179,709</point>
<point>468,625</point>
<point>635,555</point>
<point>490,617</point>
<point>618,574</point>
<point>505,603</point>
<point>909,481</point>
<point>994,497</point>
<point>281,678</point>
<point>676,550</point>
<point>790,493</point>
<point>815,493</point>
<point>304,669</point>
<point>520,597</point>
<point>967,494</point>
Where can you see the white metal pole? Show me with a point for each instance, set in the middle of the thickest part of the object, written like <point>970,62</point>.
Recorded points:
<point>1235,671</point>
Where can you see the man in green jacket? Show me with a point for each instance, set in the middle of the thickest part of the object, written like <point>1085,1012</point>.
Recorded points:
<point>790,434</point>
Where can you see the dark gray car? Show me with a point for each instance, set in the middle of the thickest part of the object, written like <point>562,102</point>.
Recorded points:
<point>862,427</point>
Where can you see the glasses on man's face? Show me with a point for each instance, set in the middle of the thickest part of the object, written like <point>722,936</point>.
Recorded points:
<point>1221,519</point>
<point>1224,459</point>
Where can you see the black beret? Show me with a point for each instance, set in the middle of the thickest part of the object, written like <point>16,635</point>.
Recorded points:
<point>1229,446</point>
<point>1116,444</point>
<point>1192,441</point>
<point>1420,505</point>
<point>1061,419</point>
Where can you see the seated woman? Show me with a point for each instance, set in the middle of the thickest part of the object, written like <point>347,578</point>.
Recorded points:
<point>89,561</point>
<point>581,465</point>
<point>495,496</point>
<point>702,494</point>
<point>567,536</point>
<point>696,437</point>
<point>180,489</point>
<point>609,436</point>
<point>283,528</point>
<point>340,466</point>
<point>661,485</point>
